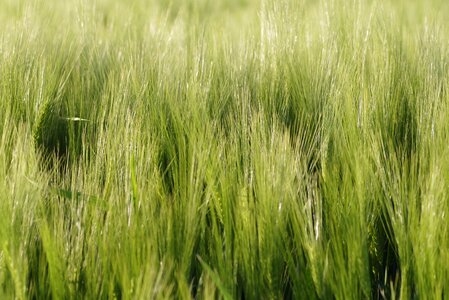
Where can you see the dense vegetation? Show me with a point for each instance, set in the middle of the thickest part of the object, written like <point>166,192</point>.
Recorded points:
<point>252,149</point>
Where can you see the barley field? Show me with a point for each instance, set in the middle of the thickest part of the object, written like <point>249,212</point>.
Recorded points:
<point>224,149</point>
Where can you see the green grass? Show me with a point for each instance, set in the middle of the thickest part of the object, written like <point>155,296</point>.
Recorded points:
<point>250,149</point>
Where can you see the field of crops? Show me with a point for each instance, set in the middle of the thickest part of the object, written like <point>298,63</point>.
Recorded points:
<point>236,149</point>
